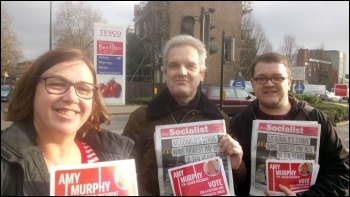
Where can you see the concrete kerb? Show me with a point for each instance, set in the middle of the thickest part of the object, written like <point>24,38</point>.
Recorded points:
<point>121,109</point>
<point>342,123</point>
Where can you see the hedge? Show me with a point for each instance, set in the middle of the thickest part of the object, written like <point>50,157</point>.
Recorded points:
<point>337,112</point>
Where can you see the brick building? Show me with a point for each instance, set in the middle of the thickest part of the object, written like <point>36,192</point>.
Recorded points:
<point>322,67</point>
<point>22,67</point>
<point>161,20</point>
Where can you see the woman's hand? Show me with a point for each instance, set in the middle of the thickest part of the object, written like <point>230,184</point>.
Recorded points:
<point>232,148</point>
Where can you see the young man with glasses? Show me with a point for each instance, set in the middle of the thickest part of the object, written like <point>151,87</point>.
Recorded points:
<point>271,80</point>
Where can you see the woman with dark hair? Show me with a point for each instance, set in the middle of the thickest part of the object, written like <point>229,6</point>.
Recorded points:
<point>56,110</point>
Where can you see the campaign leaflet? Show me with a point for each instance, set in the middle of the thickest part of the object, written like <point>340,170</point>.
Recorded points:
<point>180,144</point>
<point>297,175</point>
<point>111,178</point>
<point>201,178</point>
<point>281,140</point>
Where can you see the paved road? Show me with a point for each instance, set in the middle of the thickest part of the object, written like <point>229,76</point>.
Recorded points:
<point>117,123</point>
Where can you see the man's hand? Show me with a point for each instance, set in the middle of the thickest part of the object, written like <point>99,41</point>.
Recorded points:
<point>284,189</point>
<point>232,148</point>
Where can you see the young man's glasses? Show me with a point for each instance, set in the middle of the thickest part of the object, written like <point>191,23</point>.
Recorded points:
<point>58,85</point>
<point>263,80</point>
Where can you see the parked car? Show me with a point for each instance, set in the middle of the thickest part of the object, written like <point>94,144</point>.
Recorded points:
<point>331,97</point>
<point>233,102</point>
<point>6,92</point>
<point>323,97</point>
<point>346,98</point>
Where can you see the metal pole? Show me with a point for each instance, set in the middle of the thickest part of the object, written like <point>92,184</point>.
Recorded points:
<point>201,35</point>
<point>154,76</point>
<point>50,24</point>
<point>222,68</point>
<point>202,22</point>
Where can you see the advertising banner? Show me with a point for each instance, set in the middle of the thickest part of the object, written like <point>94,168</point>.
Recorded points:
<point>341,90</point>
<point>202,178</point>
<point>297,175</point>
<point>112,178</point>
<point>109,61</point>
<point>309,89</point>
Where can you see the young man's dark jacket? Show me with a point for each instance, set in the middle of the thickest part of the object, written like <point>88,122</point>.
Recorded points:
<point>333,176</point>
<point>23,168</point>
<point>163,110</point>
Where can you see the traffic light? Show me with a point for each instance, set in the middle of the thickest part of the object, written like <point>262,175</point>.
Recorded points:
<point>208,36</point>
<point>229,49</point>
<point>187,25</point>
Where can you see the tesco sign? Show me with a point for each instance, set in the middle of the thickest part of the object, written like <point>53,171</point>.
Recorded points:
<point>110,33</point>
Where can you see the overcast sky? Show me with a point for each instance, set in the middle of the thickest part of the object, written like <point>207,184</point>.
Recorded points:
<point>312,23</point>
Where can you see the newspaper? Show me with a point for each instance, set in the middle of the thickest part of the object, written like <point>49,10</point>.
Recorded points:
<point>179,144</point>
<point>201,178</point>
<point>281,140</point>
<point>110,178</point>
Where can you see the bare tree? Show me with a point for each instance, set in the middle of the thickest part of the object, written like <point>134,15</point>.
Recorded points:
<point>11,51</point>
<point>254,41</point>
<point>134,56</point>
<point>153,31</point>
<point>74,26</point>
<point>289,48</point>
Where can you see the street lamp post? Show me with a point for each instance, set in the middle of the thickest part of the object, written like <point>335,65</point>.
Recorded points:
<point>222,69</point>
<point>50,24</point>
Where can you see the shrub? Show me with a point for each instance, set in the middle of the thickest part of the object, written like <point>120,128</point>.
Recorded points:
<point>336,112</point>
<point>308,98</point>
<point>142,100</point>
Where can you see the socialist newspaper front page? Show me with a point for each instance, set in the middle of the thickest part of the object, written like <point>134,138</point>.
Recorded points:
<point>281,140</point>
<point>180,144</point>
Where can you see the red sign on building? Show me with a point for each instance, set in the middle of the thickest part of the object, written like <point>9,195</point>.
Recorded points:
<point>341,90</point>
